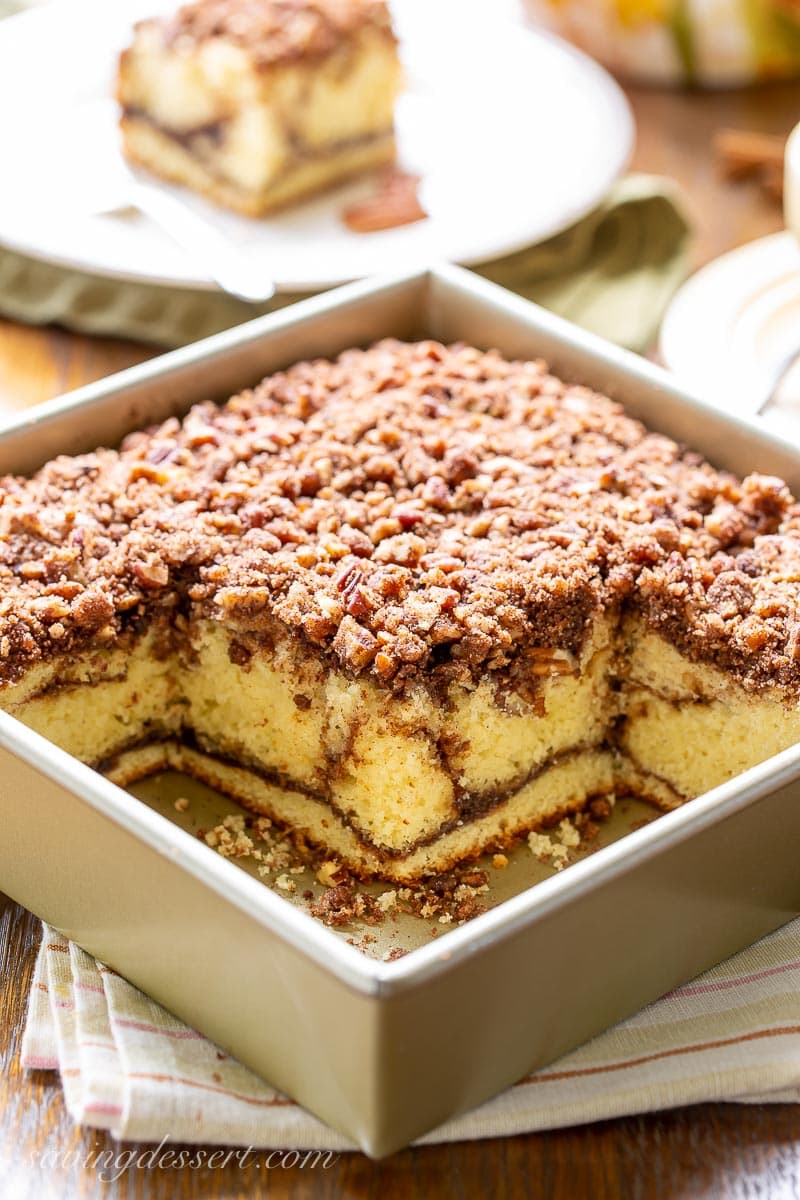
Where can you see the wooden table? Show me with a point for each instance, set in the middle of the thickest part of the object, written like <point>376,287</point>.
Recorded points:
<point>707,1151</point>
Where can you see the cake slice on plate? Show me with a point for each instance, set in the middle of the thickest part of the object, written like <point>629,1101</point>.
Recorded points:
<point>256,103</point>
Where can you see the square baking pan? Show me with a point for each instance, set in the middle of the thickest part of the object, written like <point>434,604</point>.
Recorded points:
<point>386,1050</point>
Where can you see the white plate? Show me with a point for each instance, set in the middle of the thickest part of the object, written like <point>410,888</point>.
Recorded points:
<point>516,136</point>
<point>733,324</point>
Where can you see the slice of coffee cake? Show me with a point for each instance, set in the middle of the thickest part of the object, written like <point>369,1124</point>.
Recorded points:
<point>255,103</point>
<point>413,603</point>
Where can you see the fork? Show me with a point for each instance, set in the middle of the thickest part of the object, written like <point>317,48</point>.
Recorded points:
<point>784,367</point>
<point>226,264</point>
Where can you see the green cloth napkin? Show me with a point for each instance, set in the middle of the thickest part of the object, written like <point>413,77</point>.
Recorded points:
<point>614,273</point>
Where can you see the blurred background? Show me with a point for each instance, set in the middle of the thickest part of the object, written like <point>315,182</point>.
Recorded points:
<point>597,199</point>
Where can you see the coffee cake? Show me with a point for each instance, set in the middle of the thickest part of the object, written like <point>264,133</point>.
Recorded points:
<point>255,103</point>
<point>412,603</point>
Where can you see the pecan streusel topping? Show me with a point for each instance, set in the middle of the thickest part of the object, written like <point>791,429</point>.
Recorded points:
<point>276,31</point>
<point>404,509</point>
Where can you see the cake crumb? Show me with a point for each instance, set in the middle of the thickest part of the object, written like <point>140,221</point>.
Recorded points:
<point>230,838</point>
<point>446,898</point>
<point>568,835</point>
<point>540,845</point>
<point>286,884</point>
<point>181,804</point>
<point>342,904</point>
<point>556,853</point>
<point>601,807</point>
<point>559,856</point>
<point>368,939</point>
<point>499,861</point>
<point>331,873</point>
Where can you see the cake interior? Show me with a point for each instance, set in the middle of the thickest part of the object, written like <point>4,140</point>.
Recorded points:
<point>402,786</point>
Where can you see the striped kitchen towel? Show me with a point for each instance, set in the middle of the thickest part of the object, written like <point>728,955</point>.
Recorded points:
<point>129,1066</point>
